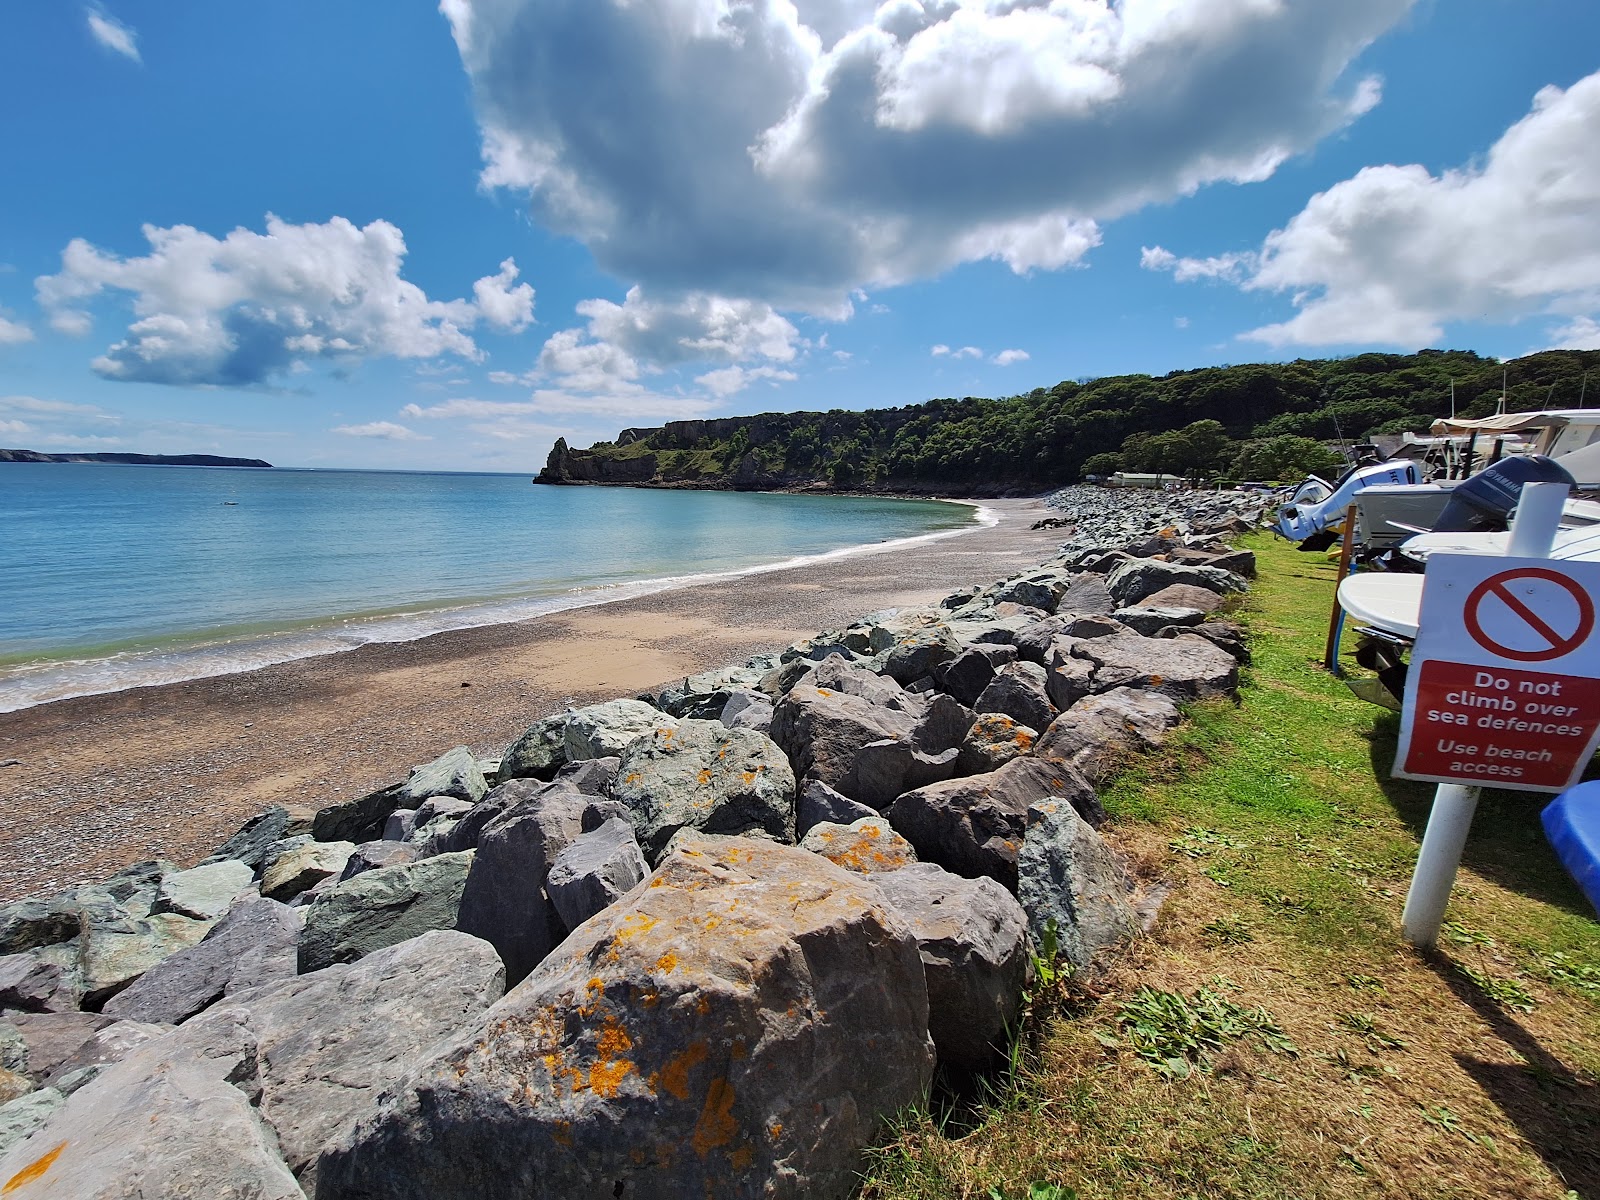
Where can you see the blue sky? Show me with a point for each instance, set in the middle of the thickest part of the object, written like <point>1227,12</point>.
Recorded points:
<point>395,234</point>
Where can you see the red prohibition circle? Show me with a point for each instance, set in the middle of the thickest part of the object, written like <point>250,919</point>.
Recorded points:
<point>1559,645</point>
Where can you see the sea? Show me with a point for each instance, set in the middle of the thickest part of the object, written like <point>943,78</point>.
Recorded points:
<point>114,577</point>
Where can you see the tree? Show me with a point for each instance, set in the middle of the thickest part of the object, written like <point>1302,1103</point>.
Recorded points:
<point>1285,458</point>
<point>1108,462</point>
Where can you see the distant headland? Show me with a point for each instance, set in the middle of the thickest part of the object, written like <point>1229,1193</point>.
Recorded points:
<point>137,460</point>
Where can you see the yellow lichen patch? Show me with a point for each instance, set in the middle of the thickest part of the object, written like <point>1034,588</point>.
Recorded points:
<point>716,1126</point>
<point>704,777</point>
<point>823,692</point>
<point>666,962</point>
<point>1155,681</point>
<point>675,1075</point>
<point>749,778</point>
<point>610,1068</point>
<point>631,777</point>
<point>741,1158</point>
<point>775,1130</point>
<point>33,1170</point>
<point>1023,740</point>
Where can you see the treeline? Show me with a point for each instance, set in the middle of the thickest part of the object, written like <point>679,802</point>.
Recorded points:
<point>1259,420</point>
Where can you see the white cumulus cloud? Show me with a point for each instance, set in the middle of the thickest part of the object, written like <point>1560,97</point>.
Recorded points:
<point>1582,333</point>
<point>383,430</point>
<point>1007,357</point>
<point>112,33</point>
<point>242,309</point>
<point>1394,253</point>
<point>791,151</point>
<point>14,333</point>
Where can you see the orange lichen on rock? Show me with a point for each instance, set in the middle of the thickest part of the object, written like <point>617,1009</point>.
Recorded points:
<point>704,777</point>
<point>610,1068</point>
<point>675,1075</point>
<point>716,1126</point>
<point>33,1170</point>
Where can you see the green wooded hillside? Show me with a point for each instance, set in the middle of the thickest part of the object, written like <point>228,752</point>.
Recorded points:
<point>1257,419</point>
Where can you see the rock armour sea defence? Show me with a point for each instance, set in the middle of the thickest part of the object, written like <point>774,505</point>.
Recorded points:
<point>738,1022</point>
<point>704,1037</point>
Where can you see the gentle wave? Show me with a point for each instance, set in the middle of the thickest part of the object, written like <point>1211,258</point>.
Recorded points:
<point>30,685</point>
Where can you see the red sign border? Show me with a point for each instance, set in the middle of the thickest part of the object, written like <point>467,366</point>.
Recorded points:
<point>1586,615</point>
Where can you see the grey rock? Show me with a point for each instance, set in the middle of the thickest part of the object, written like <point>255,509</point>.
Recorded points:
<point>596,812</point>
<point>885,769</point>
<point>1091,627</point>
<point>1182,668</point>
<point>133,885</point>
<point>399,826</point>
<point>250,844</point>
<point>1149,619</point>
<point>205,892</point>
<point>302,864</point>
<point>757,1062</point>
<point>13,1049</point>
<point>112,954</point>
<point>1224,635</point>
<point>867,846</point>
<point>974,826</point>
<point>370,855</point>
<point>599,866</point>
<point>1099,734</point>
<point>435,807</point>
<point>22,1116</point>
<point>1133,581</point>
<point>1086,595</point>
<point>747,710</point>
<point>822,731</point>
<point>179,1109</point>
<point>1070,676</point>
<point>382,908</point>
<point>107,1046</point>
<point>49,1039</point>
<point>1067,874</point>
<point>256,944</point>
<point>604,730</point>
<point>817,802</point>
<point>45,921</point>
<point>836,675</point>
<point>1019,691</point>
<point>943,727</point>
<point>538,753</point>
<point>966,675</point>
<point>1040,589</point>
<point>453,773</point>
<point>358,820</point>
<point>30,982</point>
<point>993,740</point>
<point>504,900</point>
<point>973,938</point>
<point>703,775</point>
<point>703,697</point>
<point>591,776</point>
<point>921,652</point>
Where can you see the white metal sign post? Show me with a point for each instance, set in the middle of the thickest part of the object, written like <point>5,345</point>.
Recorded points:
<point>1503,688</point>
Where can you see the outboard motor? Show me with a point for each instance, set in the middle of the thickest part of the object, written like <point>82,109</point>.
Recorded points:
<point>1299,520</point>
<point>1483,503</point>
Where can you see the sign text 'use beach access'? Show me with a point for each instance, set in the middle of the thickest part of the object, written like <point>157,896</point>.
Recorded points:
<point>1504,685</point>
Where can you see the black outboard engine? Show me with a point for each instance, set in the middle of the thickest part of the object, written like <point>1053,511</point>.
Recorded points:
<point>1483,503</point>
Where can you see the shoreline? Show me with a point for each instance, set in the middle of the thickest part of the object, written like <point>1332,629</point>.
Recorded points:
<point>172,770</point>
<point>30,685</point>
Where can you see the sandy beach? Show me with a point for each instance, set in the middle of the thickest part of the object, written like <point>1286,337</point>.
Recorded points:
<point>171,771</point>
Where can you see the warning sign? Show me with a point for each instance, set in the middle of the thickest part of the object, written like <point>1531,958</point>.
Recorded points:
<point>1474,710</point>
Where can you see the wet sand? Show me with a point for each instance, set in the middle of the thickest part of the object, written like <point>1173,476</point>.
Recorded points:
<point>172,771</point>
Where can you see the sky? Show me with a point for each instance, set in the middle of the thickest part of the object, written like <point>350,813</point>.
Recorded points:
<point>388,234</point>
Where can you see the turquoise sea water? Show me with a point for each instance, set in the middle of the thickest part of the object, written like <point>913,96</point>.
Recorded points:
<point>112,577</point>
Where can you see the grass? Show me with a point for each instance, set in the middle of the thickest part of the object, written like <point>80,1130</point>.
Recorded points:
<point>1273,1036</point>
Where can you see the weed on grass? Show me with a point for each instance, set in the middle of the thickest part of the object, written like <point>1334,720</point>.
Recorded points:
<point>1177,1034</point>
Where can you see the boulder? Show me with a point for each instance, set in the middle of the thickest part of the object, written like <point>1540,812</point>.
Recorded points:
<point>920,651</point>
<point>370,855</point>
<point>993,740</point>
<point>973,937</point>
<point>943,726</point>
<point>299,864</point>
<point>250,844</point>
<point>837,675</point>
<point>253,946</point>
<point>1148,620</point>
<point>1086,595</point>
<point>436,808</point>
<point>1098,734</point>
<point>818,802</point>
<point>382,908</point>
<point>504,901</point>
<point>1184,595</point>
<point>112,954</point>
<point>822,731</point>
<point>32,983</point>
<point>22,1116</point>
<point>1066,874</point>
<point>358,820</point>
<point>205,892</point>
<point>866,846</point>
<point>44,921</point>
<point>246,1087</point>
<point>966,675</point>
<point>650,1056</point>
<point>886,768</point>
<point>1069,678</point>
<point>599,866</point>
<point>1240,562</point>
<point>1041,589</point>
<point>1091,627</point>
<point>604,730</point>
<point>703,697</point>
<point>1182,668</point>
<point>1018,691</point>
<point>454,773</point>
<point>974,826</point>
<point>1133,581</point>
<point>538,753</point>
<point>48,1040</point>
<point>1224,635</point>
<point>705,776</point>
<point>747,710</point>
<point>107,1046</point>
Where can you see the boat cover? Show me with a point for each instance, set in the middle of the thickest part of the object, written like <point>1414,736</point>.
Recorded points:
<point>1572,823</point>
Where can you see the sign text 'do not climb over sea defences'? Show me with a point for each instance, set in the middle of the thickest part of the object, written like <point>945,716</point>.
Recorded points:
<point>1504,685</point>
